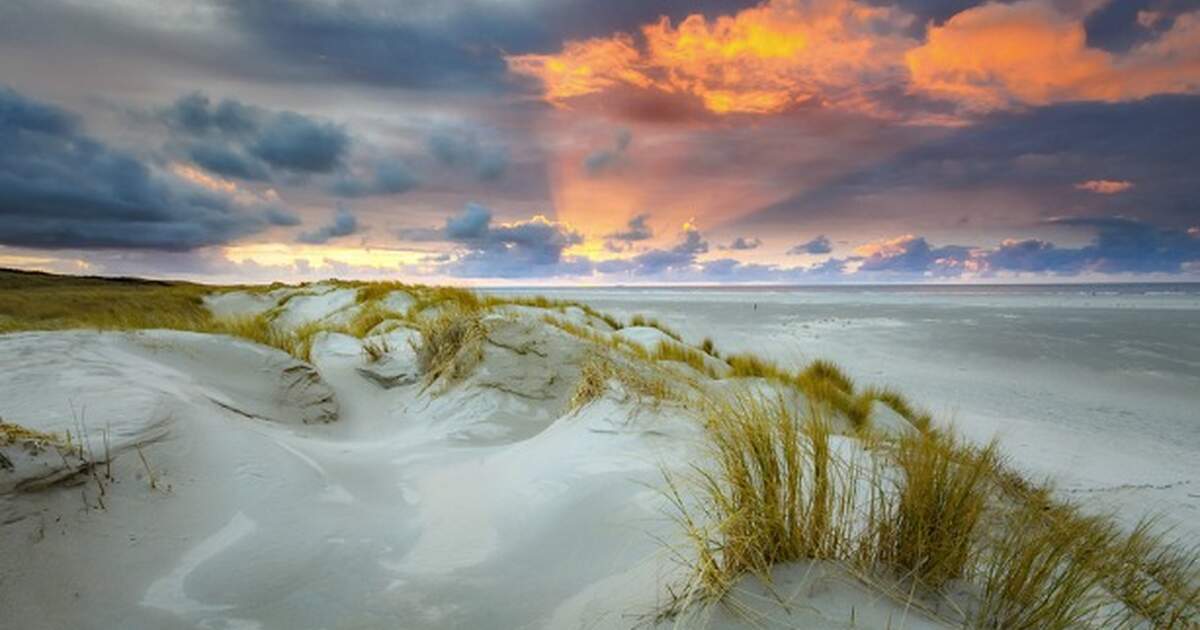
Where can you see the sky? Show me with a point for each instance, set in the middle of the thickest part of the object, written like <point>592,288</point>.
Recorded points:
<point>530,142</point>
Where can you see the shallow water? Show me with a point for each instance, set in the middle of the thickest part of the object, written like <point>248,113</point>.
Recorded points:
<point>1096,386</point>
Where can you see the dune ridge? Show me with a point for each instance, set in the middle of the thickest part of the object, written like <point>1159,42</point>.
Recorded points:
<point>385,455</point>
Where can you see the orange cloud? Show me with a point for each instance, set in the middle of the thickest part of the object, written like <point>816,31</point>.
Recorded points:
<point>885,247</point>
<point>849,55</point>
<point>997,56</point>
<point>759,61</point>
<point>1105,186</point>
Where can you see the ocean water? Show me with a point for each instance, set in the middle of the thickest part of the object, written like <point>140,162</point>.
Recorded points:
<point>1094,386</point>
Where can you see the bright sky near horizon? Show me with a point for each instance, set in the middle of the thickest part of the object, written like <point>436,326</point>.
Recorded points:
<point>602,141</point>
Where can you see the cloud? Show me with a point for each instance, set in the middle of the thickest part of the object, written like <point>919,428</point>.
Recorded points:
<point>971,59</point>
<point>1120,245</point>
<point>281,217</point>
<point>239,140</point>
<point>298,143</point>
<point>1036,155</point>
<point>530,248</point>
<point>743,243</point>
<point>344,224</point>
<point>471,225</point>
<point>863,57</point>
<point>222,160</point>
<point>601,159</point>
<point>1104,186</point>
<point>818,245</point>
<point>912,255</point>
<point>61,188</point>
<point>462,148</point>
<point>387,177</point>
<point>760,60</point>
<point>657,261</point>
<point>194,113</point>
<point>635,230</point>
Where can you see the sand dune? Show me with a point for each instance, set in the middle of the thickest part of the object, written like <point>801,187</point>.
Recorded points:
<point>249,489</point>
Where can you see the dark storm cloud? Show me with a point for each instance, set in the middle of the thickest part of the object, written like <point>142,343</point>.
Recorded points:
<point>1118,26</point>
<point>234,139</point>
<point>818,245</point>
<point>60,188</point>
<point>298,143</point>
<point>428,44</point>
<point>226,161</point>
<point>195,113</point>
<point>1045,152</point>
<point>344,223</point>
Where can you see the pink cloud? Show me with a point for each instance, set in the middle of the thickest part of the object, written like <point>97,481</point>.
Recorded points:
<point>1105,186</point>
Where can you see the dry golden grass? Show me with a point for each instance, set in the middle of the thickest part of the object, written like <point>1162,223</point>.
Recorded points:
<point>752,366</point>
<point>593,381</point>
<point>775,493</point>
<point>931,510</point>
<point>939,504</point>
<point>650,322</point>
<point>451,343</point>
<point>671,351</point>
<point>898,403</point>
<point>11,433</point>
<point>376,348</point>
<point>1043,570</point>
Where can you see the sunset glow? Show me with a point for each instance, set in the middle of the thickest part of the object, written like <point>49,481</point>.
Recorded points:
<point>803,141</point>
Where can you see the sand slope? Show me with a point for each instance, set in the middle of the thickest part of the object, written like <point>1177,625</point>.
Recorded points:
<point>348,494</point>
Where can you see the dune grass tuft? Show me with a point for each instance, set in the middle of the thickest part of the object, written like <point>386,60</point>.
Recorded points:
<point>939,504</point>
<point>671,351</point>
<point>1044,570</point>
<point>593,381</point>
<point>775,493</point>
<point>451,343</point>
<point>650,322</point>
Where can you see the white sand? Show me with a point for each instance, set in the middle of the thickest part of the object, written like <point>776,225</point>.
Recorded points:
<point>349,496</point>
<point>290,499</point>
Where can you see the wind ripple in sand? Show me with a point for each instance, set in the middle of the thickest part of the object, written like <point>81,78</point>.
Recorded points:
<point>167,593</point>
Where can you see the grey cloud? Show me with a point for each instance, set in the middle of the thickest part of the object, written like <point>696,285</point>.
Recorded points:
<point>532,248</point>
<point>238,140</point>
<point>344,224</point>
<point>388,177</point>
<point>460,148</point>
<point>297,143</point>
<point>818,245</point>
<point>601,159</point>
<point>742,243</point>
<point>223,160</point>
<point>635,230</point>
<point>282,217</point>
<point>60,188</point>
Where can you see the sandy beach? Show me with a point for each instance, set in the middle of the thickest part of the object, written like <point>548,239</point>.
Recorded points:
<point>211,482</point>
<point>1092,385</point>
